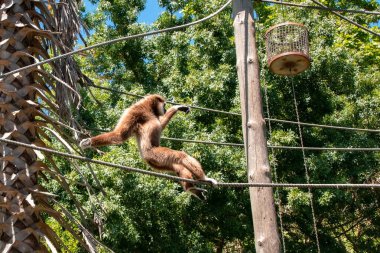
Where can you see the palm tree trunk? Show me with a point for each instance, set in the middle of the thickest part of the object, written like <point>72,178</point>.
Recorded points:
<point>30,31</point>
<point>19,212</point>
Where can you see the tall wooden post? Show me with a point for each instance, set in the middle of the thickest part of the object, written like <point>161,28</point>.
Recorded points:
<point>262,202</point>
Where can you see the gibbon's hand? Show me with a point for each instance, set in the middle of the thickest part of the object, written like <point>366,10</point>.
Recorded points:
<point>212,181</point>
<point>183,108</point>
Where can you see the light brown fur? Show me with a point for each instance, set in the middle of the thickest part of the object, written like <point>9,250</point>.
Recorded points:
<point>146,119</point>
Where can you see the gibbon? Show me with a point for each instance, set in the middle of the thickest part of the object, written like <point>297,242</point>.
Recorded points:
<point>145,120</point>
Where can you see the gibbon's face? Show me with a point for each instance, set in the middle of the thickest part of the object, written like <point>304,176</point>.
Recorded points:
<point>157,104</point>
<point>161,108</point>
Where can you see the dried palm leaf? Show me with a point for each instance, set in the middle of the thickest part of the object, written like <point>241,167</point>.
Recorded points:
<point>31,31</point>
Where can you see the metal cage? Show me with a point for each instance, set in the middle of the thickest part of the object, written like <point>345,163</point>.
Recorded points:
<point>287,47</point>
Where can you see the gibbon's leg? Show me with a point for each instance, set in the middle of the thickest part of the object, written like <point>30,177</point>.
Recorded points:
<point>165,158</point>
<point>181,171</point>
<point>187,186</point>
<point>170,113</point>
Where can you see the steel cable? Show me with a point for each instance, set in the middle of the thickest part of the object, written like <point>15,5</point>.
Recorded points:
<point>348,20</point>
<point>175,178</point>
<point>239,114</point>
<point>170,29</point>
<point>321,8</point>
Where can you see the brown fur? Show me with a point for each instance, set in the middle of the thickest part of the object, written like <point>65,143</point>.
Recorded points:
<point>144,120</point>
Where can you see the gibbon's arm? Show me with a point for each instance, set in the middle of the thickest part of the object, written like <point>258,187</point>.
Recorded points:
<point>110,138</point>
<point>170,113</point>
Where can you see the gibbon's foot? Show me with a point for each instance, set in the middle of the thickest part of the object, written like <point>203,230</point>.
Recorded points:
<point>199,193</point>
<point>183,108</point>
<point>211,180</point>
<point>85,143</point>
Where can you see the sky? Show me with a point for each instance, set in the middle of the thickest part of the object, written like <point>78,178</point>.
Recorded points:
<point>151,12</point>
<point>148,16</point>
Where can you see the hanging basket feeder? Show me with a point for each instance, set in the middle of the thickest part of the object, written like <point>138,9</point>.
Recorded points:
<point>287,47</point>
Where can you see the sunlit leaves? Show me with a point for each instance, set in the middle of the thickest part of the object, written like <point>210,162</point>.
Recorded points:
<point>197,66</point>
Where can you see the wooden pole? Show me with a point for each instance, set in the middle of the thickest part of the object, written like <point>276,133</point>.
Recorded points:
<point>262,202</point>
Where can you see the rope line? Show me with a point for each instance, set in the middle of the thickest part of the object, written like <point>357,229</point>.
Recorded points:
<point>348,20</point>
<point>239,114</point>
<point>82,158</point>
<point>129,37</point>
<point>301,186</point>
<point>306,169</point>
<point>322,8</point>
<point>175,178</point>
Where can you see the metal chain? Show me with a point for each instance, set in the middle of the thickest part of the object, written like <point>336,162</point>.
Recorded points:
<point>277,194</point>
<point>282,12</point>
<point>306,168</point>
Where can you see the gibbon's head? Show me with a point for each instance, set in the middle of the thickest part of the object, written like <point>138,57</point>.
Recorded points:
<point>157,104</point>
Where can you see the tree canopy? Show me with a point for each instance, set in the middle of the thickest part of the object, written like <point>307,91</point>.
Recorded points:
<point>196,66</point>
